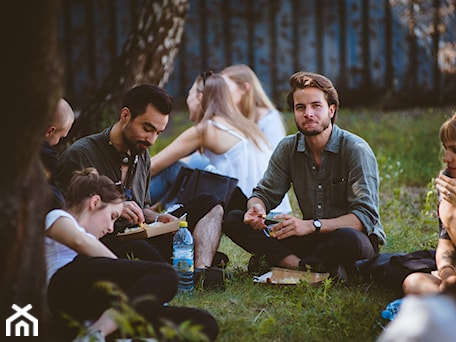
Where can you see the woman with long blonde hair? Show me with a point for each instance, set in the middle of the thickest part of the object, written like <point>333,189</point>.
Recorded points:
<point>232,143</point>
<point>252,101</point>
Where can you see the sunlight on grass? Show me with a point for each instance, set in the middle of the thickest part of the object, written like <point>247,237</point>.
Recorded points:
<point>407,147</point>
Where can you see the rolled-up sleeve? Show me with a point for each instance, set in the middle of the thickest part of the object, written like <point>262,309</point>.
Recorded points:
<point>363,189</point>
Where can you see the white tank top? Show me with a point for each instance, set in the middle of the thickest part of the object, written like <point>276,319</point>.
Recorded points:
<point>244,161</point>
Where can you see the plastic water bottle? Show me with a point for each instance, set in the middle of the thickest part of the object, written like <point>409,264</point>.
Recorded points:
<point>183,258</point>
<point>392,309</point>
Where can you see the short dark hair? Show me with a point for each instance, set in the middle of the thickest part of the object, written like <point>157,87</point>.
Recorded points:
<point>137,99</point>
<point>302,80</point>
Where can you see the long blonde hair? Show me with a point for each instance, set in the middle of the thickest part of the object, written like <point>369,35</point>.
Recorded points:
<point>255,97</point>
<point>217,101</point>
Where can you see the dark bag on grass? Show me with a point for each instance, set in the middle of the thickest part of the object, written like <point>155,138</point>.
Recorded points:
<point>390,269</point>
<point>191,182</point>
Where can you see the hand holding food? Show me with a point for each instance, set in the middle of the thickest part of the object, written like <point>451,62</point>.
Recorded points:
<point>132,212</point>
<point>255,216</point>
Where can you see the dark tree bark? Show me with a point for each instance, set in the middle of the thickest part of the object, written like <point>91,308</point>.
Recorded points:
<point>31,78</point>
<point>32,84</point>
<point>147,57</point>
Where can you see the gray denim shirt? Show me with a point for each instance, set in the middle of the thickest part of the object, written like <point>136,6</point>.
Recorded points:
<point>347,180</point>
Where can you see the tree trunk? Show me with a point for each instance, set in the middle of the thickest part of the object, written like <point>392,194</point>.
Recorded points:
<point>31,78</point>
<point>147,57</point>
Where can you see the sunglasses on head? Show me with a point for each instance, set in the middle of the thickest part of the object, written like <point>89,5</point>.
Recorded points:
<point>205,75</point>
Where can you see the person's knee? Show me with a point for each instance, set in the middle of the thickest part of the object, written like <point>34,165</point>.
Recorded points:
<point>409,283</point>
<point>420,283</point>
<point>234,219</point>
<point>202,205</point>
<point>217,211</point>
<point>355,244</point>
<point>207,200</point>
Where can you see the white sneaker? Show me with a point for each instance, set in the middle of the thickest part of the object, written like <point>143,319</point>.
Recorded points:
<point>92,336</point>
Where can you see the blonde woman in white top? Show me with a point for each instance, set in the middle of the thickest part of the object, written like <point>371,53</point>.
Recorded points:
<point>252,101</point>
<point>233,144</point>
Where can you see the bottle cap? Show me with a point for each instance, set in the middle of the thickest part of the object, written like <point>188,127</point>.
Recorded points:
<point>183,224</point>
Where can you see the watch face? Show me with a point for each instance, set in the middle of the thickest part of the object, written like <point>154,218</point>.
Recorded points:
<point>317,223</point>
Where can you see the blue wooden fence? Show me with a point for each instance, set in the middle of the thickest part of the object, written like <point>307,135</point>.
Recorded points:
<point>393,52</point>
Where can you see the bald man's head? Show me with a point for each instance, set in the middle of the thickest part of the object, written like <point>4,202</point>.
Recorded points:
<point>60,124</point>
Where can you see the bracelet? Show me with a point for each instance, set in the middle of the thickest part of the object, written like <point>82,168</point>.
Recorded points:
<point>157,217</point>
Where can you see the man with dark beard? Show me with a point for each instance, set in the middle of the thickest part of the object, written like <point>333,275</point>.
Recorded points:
<point>121,153</point>
<point>335,178</point>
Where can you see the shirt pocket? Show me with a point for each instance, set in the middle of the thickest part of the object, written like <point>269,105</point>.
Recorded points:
<point>338,196</point>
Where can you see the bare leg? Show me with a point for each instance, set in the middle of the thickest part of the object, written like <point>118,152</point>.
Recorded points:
<point>290,261</point>
<point>105,323</point>
<point>206,236</point>
<point>420,284</point>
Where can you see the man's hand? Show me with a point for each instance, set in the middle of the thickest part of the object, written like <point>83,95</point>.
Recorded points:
<point>255,216</point>
<point>292,226</point>
<point>165,218</point>
<point>132,212</point>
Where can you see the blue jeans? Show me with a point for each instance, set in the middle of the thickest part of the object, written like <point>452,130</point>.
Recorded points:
<point>162,181</point>
<point>198,161</point>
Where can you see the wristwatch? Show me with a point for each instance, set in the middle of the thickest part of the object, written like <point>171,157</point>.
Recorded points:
<point>317,225</point>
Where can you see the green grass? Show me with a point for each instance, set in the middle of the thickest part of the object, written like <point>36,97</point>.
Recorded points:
<point>407,147</point>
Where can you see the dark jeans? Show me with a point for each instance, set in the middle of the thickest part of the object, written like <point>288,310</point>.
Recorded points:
<point>160,248</point>
<point>71,290</point>
<point>341,247</point>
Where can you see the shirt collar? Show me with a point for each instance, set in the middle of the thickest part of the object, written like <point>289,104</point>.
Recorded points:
<point>333,144</point>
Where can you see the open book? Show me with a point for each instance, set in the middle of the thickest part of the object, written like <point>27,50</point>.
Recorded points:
<point>148,230</point>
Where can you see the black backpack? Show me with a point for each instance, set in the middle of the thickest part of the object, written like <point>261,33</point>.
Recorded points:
<point>390,269</point>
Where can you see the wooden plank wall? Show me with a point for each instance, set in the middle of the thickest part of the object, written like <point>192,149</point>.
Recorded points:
<point>375,51</point>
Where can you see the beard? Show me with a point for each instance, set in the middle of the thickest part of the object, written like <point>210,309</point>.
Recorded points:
<point>135,147</point>
<point>313,132</point>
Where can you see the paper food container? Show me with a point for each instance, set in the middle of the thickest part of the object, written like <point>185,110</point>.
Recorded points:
<point>285,276</point>
<point>148,230</point>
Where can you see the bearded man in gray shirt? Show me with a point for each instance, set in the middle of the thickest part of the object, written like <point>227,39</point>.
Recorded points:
<point>334,175</point>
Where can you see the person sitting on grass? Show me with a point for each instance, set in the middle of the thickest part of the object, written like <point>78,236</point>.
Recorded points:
<point>58,128</point>
<point>445,257</point>
<point>233,144</point>
<point>335,178</point>
<point>77,260</point>
<point>121,153</point>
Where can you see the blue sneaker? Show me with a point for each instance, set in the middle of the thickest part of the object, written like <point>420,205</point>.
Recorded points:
<point>392,309</point>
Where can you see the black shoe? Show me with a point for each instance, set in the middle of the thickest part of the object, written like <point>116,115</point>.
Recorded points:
<point>210,278</point>
<point>220,260</point>
<point>258,265</point>
<point>340,274</point>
